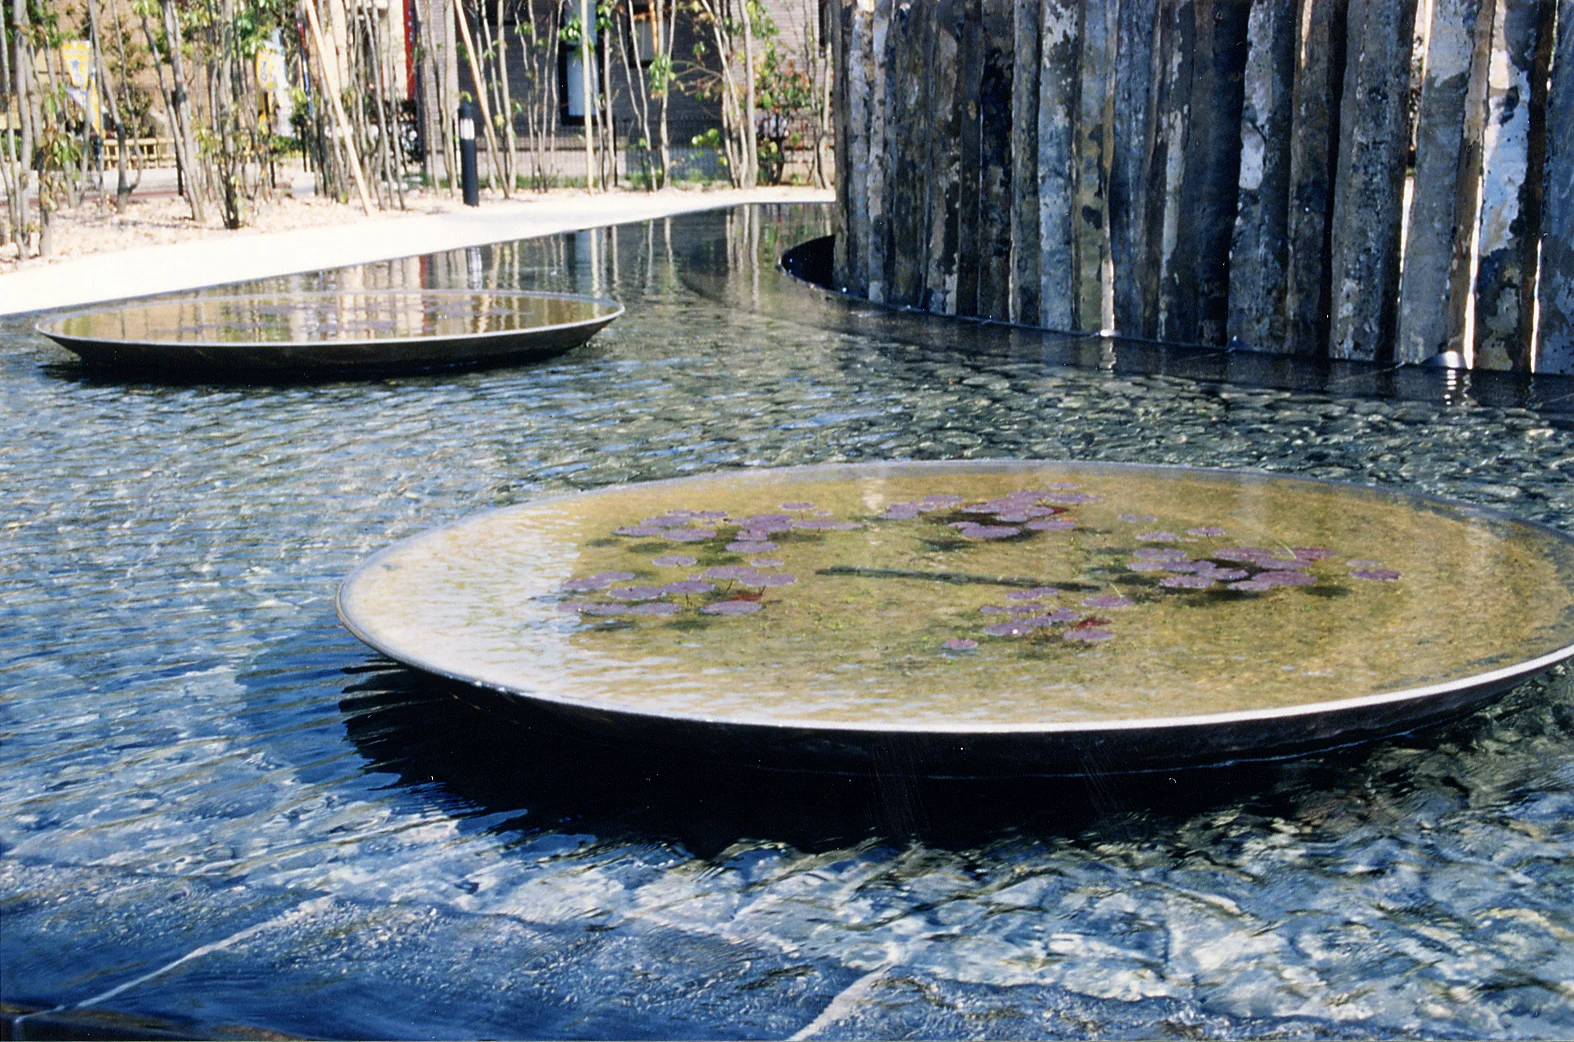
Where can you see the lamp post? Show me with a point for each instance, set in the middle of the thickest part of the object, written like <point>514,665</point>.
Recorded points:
<point>467,171</point>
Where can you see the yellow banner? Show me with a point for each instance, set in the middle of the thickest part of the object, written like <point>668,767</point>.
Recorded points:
<point>78,59</point>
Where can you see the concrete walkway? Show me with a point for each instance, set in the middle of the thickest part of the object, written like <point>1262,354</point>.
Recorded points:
<point>241,255</point>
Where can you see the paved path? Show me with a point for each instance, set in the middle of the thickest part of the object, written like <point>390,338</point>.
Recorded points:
<point>220,259</point>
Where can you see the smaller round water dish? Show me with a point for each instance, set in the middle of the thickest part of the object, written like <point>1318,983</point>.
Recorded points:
<point>908,618</point>
<point>330,331</point>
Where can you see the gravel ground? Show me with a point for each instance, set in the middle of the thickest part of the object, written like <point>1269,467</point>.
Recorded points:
<point>95,227</point>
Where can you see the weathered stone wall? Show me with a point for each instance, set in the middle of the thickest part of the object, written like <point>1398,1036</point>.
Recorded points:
<point>1317,177</point>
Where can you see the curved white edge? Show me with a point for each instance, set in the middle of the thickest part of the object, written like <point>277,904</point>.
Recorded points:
<point>1490,681</point>
<point>221,345</point>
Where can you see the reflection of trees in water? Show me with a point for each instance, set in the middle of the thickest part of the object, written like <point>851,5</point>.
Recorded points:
<point>648,257</point>
<point>620,259</point>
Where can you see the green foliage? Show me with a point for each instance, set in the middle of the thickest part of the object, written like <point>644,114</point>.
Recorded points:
<point>660,75</point>
<point>785,100</point>
<point>569,33</point>
<point>45,29</point>
<point>59,152</point>
<point>783,93</point>
<point>149,10</point>
<point>709,139</point>
<point>761,23</point>
<point>256,21</point>
<point>300,114</point>
<point>781,86</point>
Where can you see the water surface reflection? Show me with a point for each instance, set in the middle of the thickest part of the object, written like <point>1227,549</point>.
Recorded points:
<point>220,813</point>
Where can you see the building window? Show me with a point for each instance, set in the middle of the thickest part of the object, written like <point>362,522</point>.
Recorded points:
<point>644,34</point>
<point>571,85</point>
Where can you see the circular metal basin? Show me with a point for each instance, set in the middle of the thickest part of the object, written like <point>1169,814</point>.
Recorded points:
<point>336,331</point>
<point>980,618</point>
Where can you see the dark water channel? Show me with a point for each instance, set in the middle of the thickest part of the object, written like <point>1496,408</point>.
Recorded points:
<point>221,815</point>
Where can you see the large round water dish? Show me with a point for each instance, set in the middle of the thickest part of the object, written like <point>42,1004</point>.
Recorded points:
<point>981,617</point>
<point>345,330</point>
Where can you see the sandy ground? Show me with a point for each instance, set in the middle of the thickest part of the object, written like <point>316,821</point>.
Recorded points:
<point>95,227</point>
<point>156,216</point>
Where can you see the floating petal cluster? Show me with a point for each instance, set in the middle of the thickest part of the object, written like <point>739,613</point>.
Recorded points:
<point>1133,569</point>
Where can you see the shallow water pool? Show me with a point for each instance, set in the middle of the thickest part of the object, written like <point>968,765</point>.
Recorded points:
<point>220,814</point>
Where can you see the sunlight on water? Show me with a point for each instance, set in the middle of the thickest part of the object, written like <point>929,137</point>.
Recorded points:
<point>220,814</point>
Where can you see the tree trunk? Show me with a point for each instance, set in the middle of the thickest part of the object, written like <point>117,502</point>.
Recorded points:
<point>587,27</point>
<point>641,98</point>
<point>542,109</point>
<point>507,98</point>
<point>176,103</point>
<point>17,165</point>
<point>116,111</point>
<point>227,161</point>
<point>432,104</point>
<point>822,126</point>
<point>386,128</point>
<point>331,78</point>
<point>609,126</point>
<point>480,94</point>
<point>663,48</point>
<point>732,118</point>
<point>751,145</point>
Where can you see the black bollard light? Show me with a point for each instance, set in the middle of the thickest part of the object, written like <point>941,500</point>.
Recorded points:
<point>467,171</point>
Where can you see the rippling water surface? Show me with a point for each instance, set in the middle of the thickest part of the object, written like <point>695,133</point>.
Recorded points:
<point>222,815</point>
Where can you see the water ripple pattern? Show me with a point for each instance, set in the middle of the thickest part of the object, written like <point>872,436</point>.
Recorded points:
<point>219,814</point>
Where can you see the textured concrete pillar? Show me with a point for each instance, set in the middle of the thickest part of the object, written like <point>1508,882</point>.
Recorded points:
<point>1511,171</point>
<point>1259,261</point>
<point>996,198</point>
<point>1438,209</point>
<point>1090,211</point>
<point>969,106</point>
<point>1314,138</point>
<point>908,108</point>
<point>946,160</point>
<point>1556,295</point>
<point>1213,161</point>
<point>1132,128</point>
<point>1170,267</point>
<point>1060,37</point>
<point>1369,185</point>
<point>1024,162</point>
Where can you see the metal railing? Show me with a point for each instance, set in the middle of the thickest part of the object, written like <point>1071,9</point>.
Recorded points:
<point>149,151</point>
